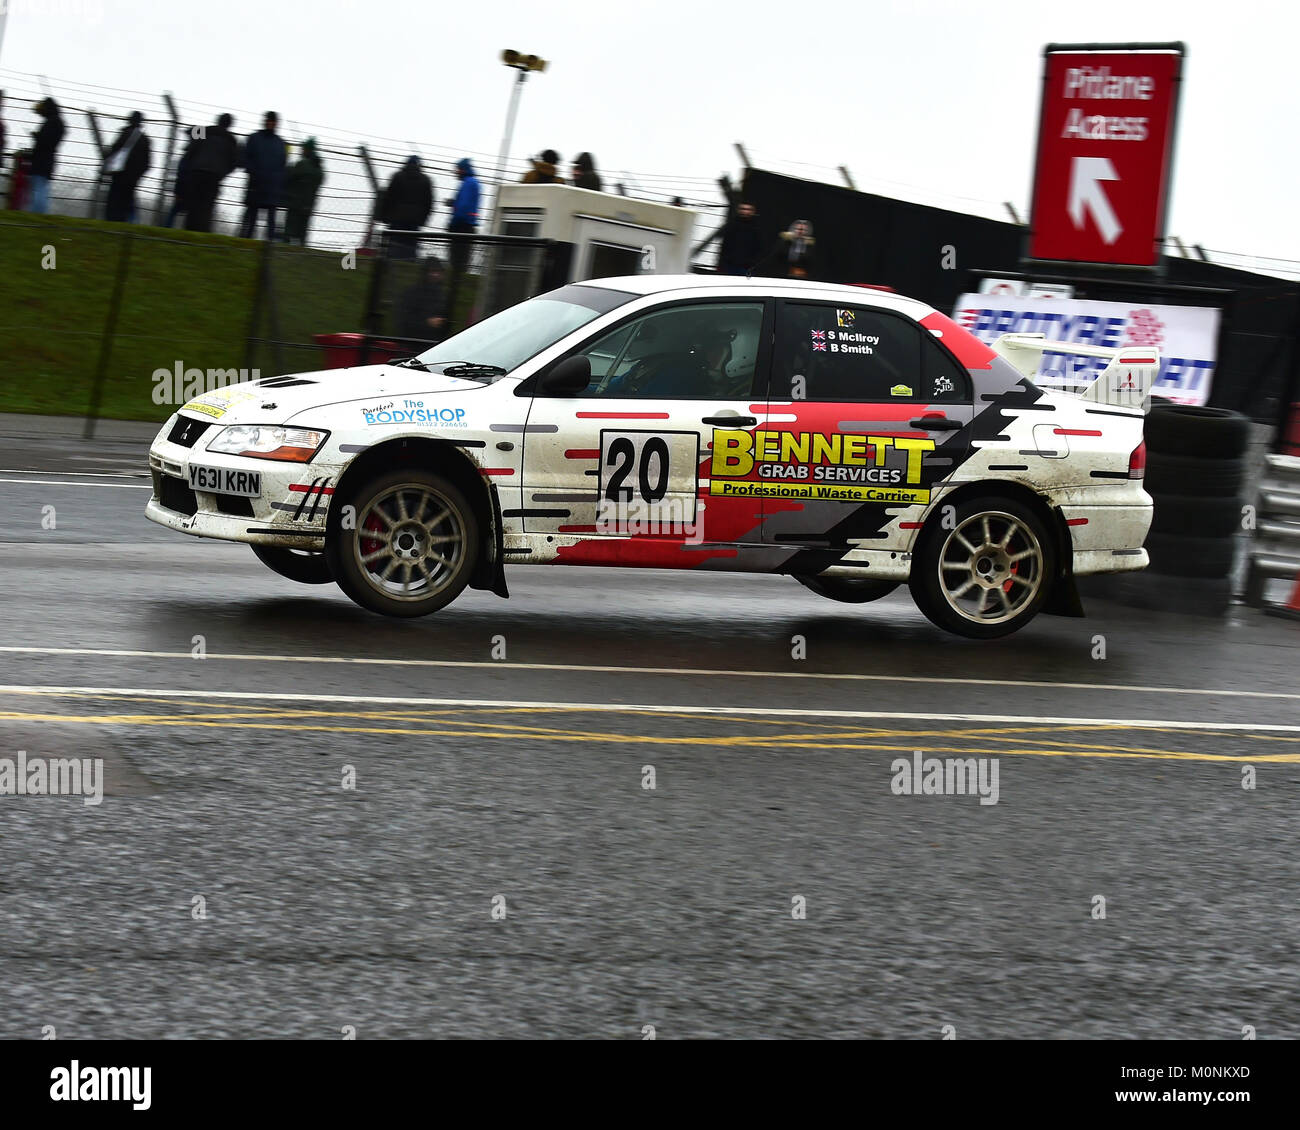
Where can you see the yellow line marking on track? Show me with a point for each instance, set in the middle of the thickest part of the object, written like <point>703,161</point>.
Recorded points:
<point>524,730</point>
<point>730,741</point>
<point>745,713</point>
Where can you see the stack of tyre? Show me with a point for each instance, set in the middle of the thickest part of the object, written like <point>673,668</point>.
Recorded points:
<point>1196,473</point>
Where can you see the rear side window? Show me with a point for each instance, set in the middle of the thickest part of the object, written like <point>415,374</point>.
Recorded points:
<point>860,354</point>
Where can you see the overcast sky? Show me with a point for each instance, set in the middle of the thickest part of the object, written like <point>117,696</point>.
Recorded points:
<point>928,100</point>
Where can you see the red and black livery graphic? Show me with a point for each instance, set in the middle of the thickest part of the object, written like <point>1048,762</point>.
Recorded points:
<point>306,501</point>
<point>810,481</point>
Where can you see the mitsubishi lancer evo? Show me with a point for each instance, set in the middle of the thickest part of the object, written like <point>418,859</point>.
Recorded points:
<point>853,439</point>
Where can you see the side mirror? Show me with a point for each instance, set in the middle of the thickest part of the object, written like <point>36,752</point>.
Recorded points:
<point>570,377</point>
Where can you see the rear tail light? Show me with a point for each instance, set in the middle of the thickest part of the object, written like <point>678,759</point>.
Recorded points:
<point>1137,462</point>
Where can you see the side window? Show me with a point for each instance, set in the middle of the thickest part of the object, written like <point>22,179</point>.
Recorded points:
<point>944,381</point>
<point>862,354</point>
<point>698,351</point>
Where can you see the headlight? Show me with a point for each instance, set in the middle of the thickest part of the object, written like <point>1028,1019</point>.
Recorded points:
<point>268,441</point>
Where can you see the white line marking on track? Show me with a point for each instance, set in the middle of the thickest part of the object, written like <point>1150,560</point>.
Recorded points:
<point>91,474</point>
<point>612,670</point>
<point>60,483</point>
<point>653,708</point>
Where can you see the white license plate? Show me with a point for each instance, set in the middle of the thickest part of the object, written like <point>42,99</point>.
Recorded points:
<point>222,480</point>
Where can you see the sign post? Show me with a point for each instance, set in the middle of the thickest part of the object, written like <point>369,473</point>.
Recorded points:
<point>1105,148</point>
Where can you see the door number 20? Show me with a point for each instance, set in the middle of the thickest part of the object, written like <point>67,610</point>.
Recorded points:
<point>651,470</point>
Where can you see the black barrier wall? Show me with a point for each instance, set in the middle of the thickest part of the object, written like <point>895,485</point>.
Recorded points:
<point>936,255</point>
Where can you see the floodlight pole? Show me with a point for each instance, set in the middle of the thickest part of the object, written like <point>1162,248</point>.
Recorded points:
<point>523,64</point>
<point>511,113</point>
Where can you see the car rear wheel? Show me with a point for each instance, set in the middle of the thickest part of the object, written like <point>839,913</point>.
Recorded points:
<point>989,575</point>
<point>849,590</point>
<point>410,545</point>
<point>302,565</point>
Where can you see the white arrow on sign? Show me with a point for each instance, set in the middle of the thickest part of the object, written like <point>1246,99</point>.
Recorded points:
<point>1087,195</point>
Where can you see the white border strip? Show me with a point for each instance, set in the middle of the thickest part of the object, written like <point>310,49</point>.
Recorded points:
<point>364,661</point>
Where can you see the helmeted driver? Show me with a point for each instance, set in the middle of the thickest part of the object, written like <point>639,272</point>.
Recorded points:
<point>700,373</point>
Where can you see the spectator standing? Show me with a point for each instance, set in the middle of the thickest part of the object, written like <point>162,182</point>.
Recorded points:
<point>300,190</point>
<point>128,160</point>
<point>584,173</point>
<point>545,169</point>
<point>2,131</point>
<point>44,151</point>
<point>213,156</point>
<point>181,186</point>
<point>407,205</point>
<point>265,158</point>
<point>798,250</point>
<point>741,244</point>
<point>464,213</point>
<point>422,311</point>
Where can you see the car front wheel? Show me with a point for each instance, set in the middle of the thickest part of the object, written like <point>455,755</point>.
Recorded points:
<point>987,572</point>
<point>404,543</point>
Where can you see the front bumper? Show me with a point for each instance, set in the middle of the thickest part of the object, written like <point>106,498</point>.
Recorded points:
<point>290,511</point>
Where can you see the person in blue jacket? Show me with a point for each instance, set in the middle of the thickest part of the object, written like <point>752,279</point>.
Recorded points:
<point>464,213</point>
<point>265,157</point>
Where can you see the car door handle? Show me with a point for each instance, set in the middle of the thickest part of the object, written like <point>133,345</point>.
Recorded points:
<point>730,421</point>
<point>936,424</point>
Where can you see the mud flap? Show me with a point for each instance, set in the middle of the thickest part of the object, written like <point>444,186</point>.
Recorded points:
<point>490,573</point>
<point>1064,600</point>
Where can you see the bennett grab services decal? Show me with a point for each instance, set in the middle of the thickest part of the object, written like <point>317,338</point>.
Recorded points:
<point>1186,337</point>
<point>834,467</point>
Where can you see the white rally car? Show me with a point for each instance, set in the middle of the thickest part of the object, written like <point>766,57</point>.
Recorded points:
<point>850,438</point>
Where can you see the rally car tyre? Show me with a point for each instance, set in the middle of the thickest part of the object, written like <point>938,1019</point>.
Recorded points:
<point>1190,429</point>
<point>1177,556</point>
<point>411,546</point>
<point>1188,516</point>
<point>302,565</point>
<point>1188,475</point>
<point>849,590</point>
<point>989,575</point>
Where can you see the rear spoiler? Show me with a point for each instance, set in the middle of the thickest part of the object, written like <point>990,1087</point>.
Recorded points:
<point>1126,381</point>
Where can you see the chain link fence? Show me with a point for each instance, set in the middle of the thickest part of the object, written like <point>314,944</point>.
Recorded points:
<point>130,323</point>
<point>93,115</point>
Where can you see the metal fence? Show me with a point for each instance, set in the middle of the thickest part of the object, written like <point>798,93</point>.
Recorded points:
<point>375,315</point>
<point>131,322</point>
<point>91,317</point>
<point>345,206</point>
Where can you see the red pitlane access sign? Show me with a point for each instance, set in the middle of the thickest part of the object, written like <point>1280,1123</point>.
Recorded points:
<point>1105,138</point>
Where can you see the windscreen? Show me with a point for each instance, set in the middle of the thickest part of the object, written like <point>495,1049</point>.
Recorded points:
<point>510,338</point>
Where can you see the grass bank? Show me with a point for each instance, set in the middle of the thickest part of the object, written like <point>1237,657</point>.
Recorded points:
<point>187,298</point>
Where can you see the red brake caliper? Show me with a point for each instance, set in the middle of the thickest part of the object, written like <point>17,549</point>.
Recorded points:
<point>369,545</point>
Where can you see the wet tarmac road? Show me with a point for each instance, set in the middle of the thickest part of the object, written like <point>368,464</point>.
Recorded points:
<point>502,868</point>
